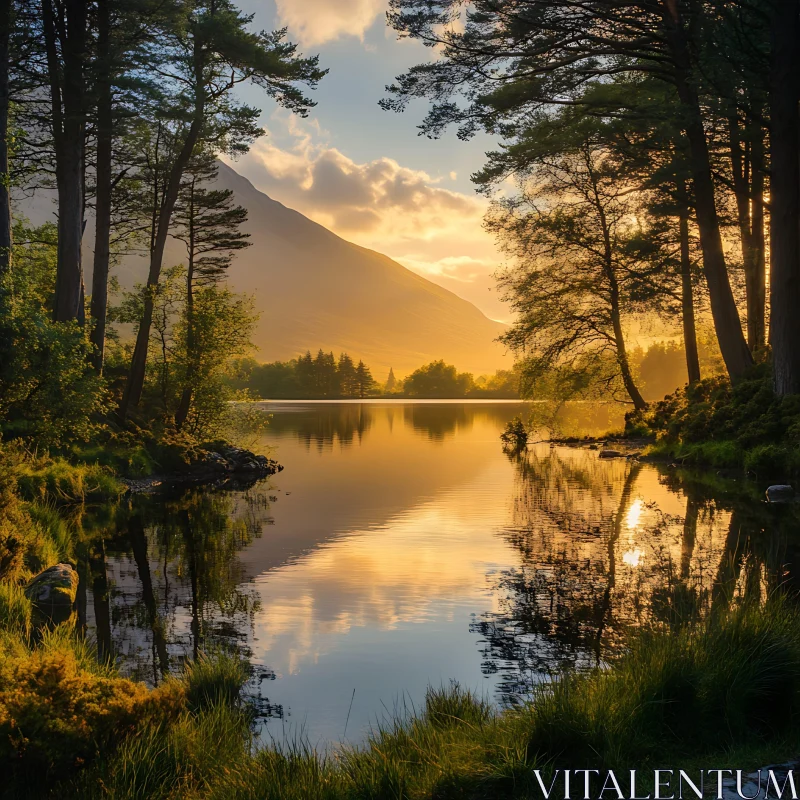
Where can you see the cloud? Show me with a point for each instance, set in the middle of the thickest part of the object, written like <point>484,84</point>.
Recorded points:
<point>315,22</point>
<point>407,214</point>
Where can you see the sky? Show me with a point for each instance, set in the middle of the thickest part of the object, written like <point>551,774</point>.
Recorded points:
<point>365,173</point>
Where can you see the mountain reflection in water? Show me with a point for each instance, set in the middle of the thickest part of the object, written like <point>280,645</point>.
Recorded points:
<point>401,548</point>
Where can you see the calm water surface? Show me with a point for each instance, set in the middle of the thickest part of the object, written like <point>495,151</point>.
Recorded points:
<point>401,548</point>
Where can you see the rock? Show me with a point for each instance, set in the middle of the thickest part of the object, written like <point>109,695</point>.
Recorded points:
<point>610,454</point>
<point>593,447</point>
<point>780,493</point>
<point>53,592</point>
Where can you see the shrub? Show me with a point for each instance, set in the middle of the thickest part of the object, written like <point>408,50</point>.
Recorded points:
<point>56,715</point>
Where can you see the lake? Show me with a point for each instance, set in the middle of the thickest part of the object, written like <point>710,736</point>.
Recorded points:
<point>401,548</point>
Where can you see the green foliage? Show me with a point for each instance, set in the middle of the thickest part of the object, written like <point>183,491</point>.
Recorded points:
<point>438,379</point>
<point>49,394</point>
<point>515,435</point>
<point>222,324</point>
<point>715,423</point>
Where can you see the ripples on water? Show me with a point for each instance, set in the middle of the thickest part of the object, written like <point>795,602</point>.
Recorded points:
<point>401,548</point>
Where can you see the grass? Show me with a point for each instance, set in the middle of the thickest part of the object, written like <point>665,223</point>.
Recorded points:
<point>727,688</point>
<point>59,481</point>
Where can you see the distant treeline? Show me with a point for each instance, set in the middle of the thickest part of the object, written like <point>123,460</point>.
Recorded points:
<point>325,376</point>
<point>661,369</point>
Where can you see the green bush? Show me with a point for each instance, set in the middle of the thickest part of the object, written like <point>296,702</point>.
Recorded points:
<point>715,423</point>
<point>56,715</point>
<point>771,460</point>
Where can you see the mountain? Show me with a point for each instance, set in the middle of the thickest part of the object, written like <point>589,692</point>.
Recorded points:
<point>314,289</point>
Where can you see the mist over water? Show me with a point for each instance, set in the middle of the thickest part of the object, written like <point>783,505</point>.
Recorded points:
<point>401,548</point>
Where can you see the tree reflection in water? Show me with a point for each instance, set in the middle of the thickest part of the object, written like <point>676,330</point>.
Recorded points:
<point>168,585</point>
<point>605,549</point>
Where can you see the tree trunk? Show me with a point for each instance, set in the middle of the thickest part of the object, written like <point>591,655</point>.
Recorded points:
<point>614,299</point>
<point>186,396</point>
<point>102,237</point>
<point>622,358</point>
<point>727,324</point>
<point>69,127</point>
<point>748,185</point>
<point>687,302</point>
<point>785,197</point>
<point>5,199</point>
<point>757,315</point>
<point>133,388</point>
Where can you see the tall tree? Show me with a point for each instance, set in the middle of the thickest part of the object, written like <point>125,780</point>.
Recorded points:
<point>208,223</point>
<point>346,376</point>
<point>6,16</point>
<point>364,380</point>
<point>785,196</point>
<point>569,230</point>
<point>212,53</point>
<point>66,41</point>
<point>511,60</point>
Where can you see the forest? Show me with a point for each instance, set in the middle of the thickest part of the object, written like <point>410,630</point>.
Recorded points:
<point>325,377</point>
<point>653,147</point>
<point>643,184</point>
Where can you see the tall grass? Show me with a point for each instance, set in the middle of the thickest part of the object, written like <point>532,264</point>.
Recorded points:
<point>728,684</point>
<point>59,481</point>
<point>15,610</point>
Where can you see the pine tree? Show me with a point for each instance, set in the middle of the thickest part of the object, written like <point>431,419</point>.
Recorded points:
<point>347,378</point>
<point>208,223</point>
<point>325,383</point>
<point>211,53</point>
<point>305,375</point>
<point>391,382</point>
<point>364,379</point>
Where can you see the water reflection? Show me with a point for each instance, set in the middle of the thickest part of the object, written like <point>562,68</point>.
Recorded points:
<point>609,546</point>
<point>168,584</point>
<point>401,547</point>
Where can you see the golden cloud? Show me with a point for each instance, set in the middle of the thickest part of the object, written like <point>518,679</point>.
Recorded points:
<point>405,213</point>
<point>315,22</point>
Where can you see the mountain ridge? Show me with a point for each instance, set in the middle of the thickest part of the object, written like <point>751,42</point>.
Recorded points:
<point>314,289</point>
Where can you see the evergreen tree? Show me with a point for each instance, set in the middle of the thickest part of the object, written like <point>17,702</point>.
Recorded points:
<point>211,53</point>
<point>347,377</point>
<point>208,223</point>
<point>306,377</point>
<point>325,379</point>
<point>391,382</point>
<point>364,380</point>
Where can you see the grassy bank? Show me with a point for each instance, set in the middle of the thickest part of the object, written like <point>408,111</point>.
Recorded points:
<point>734,427</point>
<point>726,692</point>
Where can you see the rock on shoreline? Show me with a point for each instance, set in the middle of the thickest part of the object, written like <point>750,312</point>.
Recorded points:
<point>219,466</point>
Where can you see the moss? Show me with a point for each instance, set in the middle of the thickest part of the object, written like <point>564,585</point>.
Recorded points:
<point>713,423</point>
